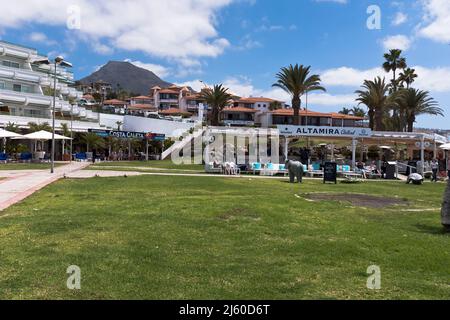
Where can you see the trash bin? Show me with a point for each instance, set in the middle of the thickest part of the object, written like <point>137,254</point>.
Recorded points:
<point>390,170</point>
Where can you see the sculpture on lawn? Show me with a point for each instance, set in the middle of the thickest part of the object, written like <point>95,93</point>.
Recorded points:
<point>295,169</point>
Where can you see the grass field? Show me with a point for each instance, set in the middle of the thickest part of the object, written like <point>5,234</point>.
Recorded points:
<point>164,166</point>
<point>26,166</point>
<point>213,238</point>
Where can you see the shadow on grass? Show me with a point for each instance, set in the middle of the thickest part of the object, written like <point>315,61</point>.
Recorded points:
<point>433,229</point>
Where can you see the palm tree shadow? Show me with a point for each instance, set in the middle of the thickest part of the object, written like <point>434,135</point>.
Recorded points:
<point>432,229</point>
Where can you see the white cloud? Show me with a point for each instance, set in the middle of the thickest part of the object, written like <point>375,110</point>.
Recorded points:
<point>159,70</point>
<point>430,79</point>
<point>345,76</point>
<point>436,21</point>
<point>168,29</point>
<point>399,19</point>
<point>41,38</point>
<point>401,42</point>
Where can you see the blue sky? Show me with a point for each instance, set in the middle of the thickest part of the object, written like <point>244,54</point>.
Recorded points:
<point>243,43</point>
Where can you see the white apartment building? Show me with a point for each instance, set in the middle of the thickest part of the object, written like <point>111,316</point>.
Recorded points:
<point>26,88</point>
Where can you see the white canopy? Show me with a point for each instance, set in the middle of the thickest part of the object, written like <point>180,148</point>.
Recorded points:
<point>445,146</point>
<point>8,134</point>
<point>44,135</point>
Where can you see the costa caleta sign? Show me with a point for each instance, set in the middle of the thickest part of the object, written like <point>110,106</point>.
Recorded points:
<point>324,131</point>
<point>128,135</point>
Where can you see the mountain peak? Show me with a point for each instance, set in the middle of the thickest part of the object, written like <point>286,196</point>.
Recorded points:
<point>127,76</point>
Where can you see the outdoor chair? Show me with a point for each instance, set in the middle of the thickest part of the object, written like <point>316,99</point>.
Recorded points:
<point>211,168</point>
<point>80,157</point>
<point>256,167</point>
<point>3,157</point>
<point>25,157</point>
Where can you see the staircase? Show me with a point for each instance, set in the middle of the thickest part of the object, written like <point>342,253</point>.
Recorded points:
<point>187,138</point>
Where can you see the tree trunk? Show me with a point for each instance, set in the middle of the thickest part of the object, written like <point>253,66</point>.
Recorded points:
<point>371,119</point>
<point>296,107</point>
<point>411,124</point>
<point>379,119</point>
<point>445,213</point>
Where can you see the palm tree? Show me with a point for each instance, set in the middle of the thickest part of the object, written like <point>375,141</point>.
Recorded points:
<point>358,112</point>
<point>445,212</point>
<point>93,141</point>
<point>35,127</point>
<point>345,111</point>
<point>217,98</point>
<point>12,127</point>
<point>415,102</point>
<point>65,129</point>
<point>376,99</point>
<point>394,61</point>
<point>408,76</point>
<point>296,80</point>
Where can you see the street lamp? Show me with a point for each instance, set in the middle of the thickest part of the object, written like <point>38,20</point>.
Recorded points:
<point>59,61</point>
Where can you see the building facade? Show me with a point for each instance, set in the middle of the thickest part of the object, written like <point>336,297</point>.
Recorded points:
<point>26,87</point>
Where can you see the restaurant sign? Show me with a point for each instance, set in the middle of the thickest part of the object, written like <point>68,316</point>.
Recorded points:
<point>312,131</point>
<point>128,135</point>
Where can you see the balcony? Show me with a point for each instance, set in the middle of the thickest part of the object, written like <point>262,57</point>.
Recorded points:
<point>22,75</point>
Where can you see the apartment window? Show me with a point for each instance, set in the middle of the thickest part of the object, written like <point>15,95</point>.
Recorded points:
<point>2,85</point>
<point>21,88</point>
<point>11,64</point>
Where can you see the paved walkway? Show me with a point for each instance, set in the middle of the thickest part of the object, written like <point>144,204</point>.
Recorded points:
<point>19,184</point>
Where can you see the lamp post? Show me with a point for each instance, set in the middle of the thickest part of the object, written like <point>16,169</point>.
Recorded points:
<point>59,61</point>
<point>71,132</point>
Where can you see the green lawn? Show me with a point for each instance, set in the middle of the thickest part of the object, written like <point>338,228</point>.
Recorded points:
<point>213,238</point>
<point>26,166</point>
<point>163,164</point>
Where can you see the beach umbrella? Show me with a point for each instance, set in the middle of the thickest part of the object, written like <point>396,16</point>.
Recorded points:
<point>43,136</point>
<point>7,134</point>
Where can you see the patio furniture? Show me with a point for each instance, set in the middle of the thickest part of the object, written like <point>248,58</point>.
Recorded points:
<point>213,168</point>
<point>3,157</point>
<point>80,157</point>
<point>256,167</point>
<point>26,157</point>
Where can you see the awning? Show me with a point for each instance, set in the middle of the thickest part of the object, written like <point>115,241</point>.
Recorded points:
<point>42,136</point>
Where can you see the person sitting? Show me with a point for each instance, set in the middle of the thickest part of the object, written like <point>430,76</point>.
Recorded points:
<point>415,178</point>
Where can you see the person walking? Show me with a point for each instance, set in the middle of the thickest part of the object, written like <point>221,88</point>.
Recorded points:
<point>434,167</point>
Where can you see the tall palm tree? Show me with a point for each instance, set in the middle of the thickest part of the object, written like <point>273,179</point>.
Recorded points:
<point>408,76</point>
<point>394,61</point>
<point>217,98</point>
<point>375,97</point>
<point>296,80</point>
<point>445,212</point>
<point>415,102</point>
